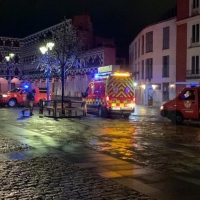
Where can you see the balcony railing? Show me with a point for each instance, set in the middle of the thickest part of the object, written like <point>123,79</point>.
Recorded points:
<point>194,42</point>
<point>195,10</point>
<point>193,74</point>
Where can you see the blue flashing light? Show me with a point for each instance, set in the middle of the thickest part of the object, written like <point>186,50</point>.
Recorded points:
<point>193,85</point>
<point>98,76</point>
<point>26,86</point>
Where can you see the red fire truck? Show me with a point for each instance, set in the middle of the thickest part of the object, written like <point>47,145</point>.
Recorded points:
<point>185,106</point>
<point>18,96</point>
<point>110,92</point>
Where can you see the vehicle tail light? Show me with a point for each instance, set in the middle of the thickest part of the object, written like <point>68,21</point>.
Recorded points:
<point>134,99</point>
<point>107,98</point>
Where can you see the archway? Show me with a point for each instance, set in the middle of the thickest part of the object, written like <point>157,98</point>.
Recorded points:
<point>15,82</point>
<point>3,85</point>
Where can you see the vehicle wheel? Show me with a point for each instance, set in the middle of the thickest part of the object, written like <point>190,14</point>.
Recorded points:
<point>102,111</point>
<point>126,116</point>
<point>12,103</point>
<point>169,115</point>
<point>177,118</point>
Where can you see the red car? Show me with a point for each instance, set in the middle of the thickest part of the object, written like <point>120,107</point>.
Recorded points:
<point>17,96</point>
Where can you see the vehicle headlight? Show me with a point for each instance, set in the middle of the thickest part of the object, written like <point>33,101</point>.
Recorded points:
<point>161,107</point>
<point>132,105</point>
<point>4,95</point>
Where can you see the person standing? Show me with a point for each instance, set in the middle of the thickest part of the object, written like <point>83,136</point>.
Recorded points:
<point>28,105</point>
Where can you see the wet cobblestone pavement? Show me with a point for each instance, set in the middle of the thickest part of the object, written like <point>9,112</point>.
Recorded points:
<point>145,139</point>
<point>52,178</point>
<point>9,145</point>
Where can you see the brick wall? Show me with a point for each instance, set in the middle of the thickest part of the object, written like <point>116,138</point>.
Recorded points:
<point>181,55</point>
<point>182,9</point>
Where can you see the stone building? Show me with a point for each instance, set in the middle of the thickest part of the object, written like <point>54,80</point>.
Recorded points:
<point>100,52</point>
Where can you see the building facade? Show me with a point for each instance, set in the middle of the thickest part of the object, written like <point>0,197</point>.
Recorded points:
<point>100,52</point>
<point>188,42</point>
<point>8,45</point>
<point>152,57</point>
<point>164,57</point>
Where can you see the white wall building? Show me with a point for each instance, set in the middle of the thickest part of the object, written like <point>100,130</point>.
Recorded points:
<point>152,57</point>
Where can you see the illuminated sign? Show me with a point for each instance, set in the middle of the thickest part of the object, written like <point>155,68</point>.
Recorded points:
<point>108,69</point>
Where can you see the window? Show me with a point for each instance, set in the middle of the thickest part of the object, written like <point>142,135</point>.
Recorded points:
<point>43,90</point>
<point>195,4</point>
<point>33,91</point>
<point>166,38</point>
<point>135,50</point>
<point>149,68</point>
<point>149,42</point>
<point>142,74</point>
<point>195,64</point>
<point>96,89</point>
<point>188,95</point>
<point>15,90</point>
<point>138,72</point>
<point>165,91</point>
<point>165,71</point>
<point>138,48</point>
<point>1,58</point>
<point>102,88</point>
<point>195,33</point>
<point>142,44</point>
<point>135,71</point>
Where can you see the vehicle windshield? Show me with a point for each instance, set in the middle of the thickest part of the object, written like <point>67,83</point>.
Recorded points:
<point>15,90</point>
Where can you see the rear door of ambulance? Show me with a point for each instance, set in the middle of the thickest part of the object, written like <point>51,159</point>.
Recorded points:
<point>94,94</point>
<point>120,92</point>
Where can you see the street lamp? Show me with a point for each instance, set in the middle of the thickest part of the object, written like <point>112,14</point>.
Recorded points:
<point>49,46</point>
<point>45,51</point>
<point>9,59</point>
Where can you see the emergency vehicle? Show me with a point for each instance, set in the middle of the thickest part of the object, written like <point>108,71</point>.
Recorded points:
<point>17,96</point>
<point>184,107</point>
<point>110,91</point>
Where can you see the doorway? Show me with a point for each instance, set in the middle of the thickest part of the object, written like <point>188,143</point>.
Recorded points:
<point>165,91</point>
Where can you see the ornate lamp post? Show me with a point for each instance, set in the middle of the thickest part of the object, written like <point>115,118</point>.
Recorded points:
<point>45,51</point>
<point>9,59</point>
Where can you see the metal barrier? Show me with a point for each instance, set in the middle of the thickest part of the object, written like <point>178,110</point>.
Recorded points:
<point>70,108</point>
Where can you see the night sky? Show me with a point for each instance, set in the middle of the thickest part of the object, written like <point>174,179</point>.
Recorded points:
<point>119,19</point>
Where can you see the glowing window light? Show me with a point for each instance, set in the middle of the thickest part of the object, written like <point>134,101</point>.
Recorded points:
<point>154,87</point>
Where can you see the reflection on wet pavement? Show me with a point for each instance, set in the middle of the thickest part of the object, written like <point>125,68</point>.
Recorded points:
<point>145,141</point>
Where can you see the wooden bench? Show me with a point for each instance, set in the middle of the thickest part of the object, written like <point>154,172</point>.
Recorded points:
<point>57,108</point>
